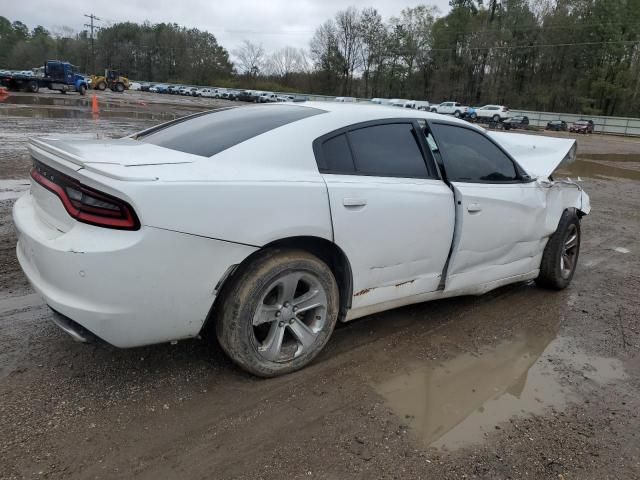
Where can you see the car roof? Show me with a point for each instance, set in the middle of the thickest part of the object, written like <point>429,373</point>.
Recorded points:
<point>345,114</point>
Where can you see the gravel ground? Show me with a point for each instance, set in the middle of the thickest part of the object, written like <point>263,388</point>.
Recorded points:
<point>518,383</point>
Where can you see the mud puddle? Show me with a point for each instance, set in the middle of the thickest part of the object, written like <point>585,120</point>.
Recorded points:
<point>460,401</point>
<point>59,113</point>
<point>603,166</point>
<point>62,101</point>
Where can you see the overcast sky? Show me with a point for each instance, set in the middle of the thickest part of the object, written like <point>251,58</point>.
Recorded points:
<point>274,23</point>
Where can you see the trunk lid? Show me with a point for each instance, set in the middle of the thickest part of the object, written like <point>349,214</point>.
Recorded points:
<point>115,158</point>
<point>540,156</point>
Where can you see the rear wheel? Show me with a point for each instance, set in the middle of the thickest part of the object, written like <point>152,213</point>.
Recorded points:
<point>33,86</point>
<point>457,114</point>
<point>560,256</point>
<point>278,313</point>
<point>101,86</point>
<point>82,90</point>
<point>119,87</point>
<point>496,118</point>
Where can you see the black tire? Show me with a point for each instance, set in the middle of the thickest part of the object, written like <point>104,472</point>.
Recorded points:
<point>457,114</point>
<point>554,272</point>
<point>33,86</point>
<point>496,118</point>
<point>119,87</point>
<point>101,86</point>
<point>249,290</point>
<point>82,90</point>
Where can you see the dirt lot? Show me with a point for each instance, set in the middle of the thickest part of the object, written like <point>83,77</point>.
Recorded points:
<point>519,383</point>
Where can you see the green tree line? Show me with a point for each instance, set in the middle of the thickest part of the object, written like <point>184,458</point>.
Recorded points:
<point>556,55</point>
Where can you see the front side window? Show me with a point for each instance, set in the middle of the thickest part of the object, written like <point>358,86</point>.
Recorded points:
<point>470,156</point>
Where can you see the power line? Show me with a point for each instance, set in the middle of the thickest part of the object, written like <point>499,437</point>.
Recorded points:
<point>91,26</point>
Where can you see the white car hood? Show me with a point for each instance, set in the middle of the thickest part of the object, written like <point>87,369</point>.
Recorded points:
<point>540,156</point>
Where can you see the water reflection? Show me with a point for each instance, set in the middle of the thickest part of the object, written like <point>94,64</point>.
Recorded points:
<point>459,401</point>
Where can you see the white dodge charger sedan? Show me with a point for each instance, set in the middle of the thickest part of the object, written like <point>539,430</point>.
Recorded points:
<point>269,224</point>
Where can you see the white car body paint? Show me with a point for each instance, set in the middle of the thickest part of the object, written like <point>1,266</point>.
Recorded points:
<point>202,216</point>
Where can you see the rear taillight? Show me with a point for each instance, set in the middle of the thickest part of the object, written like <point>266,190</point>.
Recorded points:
<point>86,204</point>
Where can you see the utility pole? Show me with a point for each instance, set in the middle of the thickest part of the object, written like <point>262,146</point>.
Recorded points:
<point>93,53</point>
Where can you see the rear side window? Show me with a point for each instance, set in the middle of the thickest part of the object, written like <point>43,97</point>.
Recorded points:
<point>212,132</point>
<point>471,157</point>
<point>337,155</point>
<point>387,151</point>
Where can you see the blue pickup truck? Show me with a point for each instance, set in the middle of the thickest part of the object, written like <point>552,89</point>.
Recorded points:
<point>61,76</point>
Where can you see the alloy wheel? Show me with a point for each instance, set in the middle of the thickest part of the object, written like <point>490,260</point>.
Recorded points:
<point>289,317</point>
<point>569,252</point>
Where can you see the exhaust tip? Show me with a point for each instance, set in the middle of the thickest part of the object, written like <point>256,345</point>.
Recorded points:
<point>74,329</point>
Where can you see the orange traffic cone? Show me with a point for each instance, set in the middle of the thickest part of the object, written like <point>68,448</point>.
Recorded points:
<point>94,104</point>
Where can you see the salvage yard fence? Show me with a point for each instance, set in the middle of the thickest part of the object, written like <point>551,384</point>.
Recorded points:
<point>626,126</point>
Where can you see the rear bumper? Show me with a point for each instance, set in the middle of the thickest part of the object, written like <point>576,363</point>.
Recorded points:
<point>127,288</point>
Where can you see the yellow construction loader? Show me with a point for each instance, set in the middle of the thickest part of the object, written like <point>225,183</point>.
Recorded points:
<point>111,79</point>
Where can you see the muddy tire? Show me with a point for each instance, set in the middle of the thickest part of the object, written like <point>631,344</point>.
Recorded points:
<point>278,312</point>
<point>33,87</point>
<point>82,90</point>
<point>101,86</point>
<point>560,256</point>
<point>119,87</point>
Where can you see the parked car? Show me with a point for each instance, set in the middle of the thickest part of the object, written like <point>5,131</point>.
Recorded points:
<point>135,86</point>
<point>582,126</point>
<point>344,99</point>
<point>145,86</point>
<point>288,230</point>
<point>519,121</point>
<point>398,102</point>
<point>267,97</point>
<point>246,96</point>
<point>557,126</point>
<point>184,91</point>
<point>232,94</point>
<point>218,92</point>
<point>495,113</point>
<point>421,105</point>
<point>451,108</point>
<point>159,89</point>
<point>173,89</point>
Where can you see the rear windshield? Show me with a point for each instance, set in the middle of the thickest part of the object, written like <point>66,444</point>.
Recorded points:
<point>212,132</point>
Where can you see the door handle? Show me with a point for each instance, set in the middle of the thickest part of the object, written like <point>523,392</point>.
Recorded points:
<point>474,208</point>
<point>353,202</point>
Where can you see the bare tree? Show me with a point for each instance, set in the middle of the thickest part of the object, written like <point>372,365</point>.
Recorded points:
<point>250,58</point>
<point>373,34</point>
<point>349,44</point>
<point>286,61</point>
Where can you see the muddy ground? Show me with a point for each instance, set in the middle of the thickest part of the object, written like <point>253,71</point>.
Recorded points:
<point>518,383</point>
